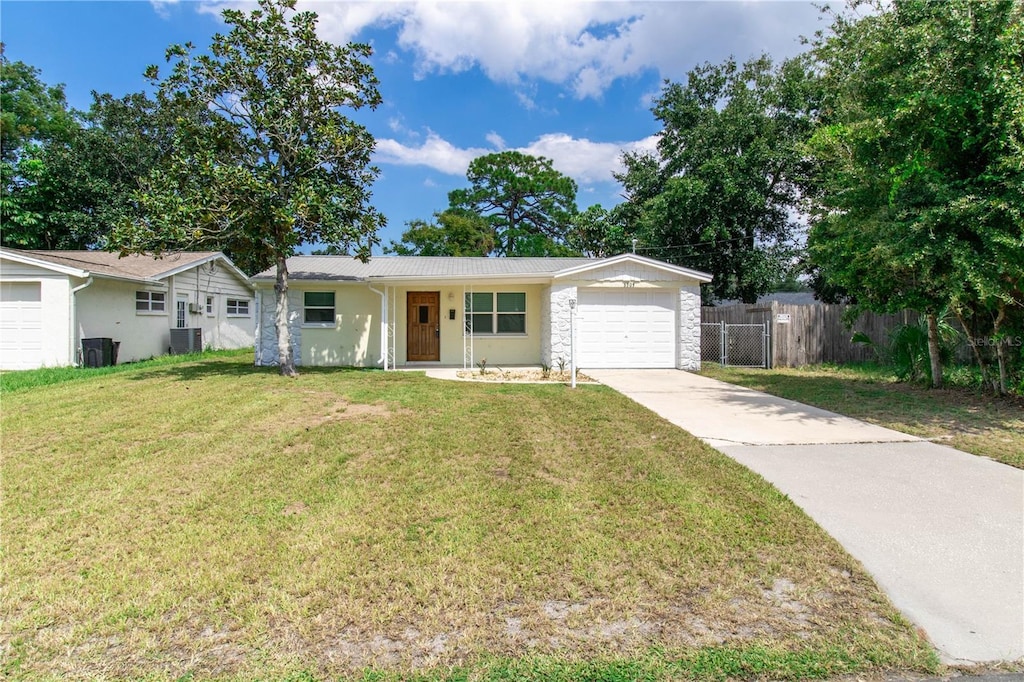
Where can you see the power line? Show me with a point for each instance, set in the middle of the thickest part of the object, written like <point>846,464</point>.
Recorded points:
<point>687,246</point>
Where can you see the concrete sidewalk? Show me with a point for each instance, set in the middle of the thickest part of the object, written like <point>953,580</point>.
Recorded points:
<point>941,531</point>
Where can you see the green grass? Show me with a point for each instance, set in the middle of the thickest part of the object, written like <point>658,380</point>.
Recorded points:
<point>211,520</point>
<point>23,380</point>
<point>964,419</point>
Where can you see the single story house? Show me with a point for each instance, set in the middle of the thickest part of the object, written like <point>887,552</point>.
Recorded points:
<point>51,300</point>
<point>625,311</point>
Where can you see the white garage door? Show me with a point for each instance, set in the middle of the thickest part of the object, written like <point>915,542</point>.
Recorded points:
<point>626,328</point>
<point>21,325</point>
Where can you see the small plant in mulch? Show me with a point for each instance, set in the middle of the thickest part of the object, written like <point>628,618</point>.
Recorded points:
<point>522,375</point>
<point>482,365</point>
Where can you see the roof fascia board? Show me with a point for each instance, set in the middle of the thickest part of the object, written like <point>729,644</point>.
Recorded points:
<point>294,281</point>
<point>632,258</point>
<point>202,261</point>
<point>527,278</point>
<point>45,264</point>
<point>78,272</point>
<point>124,278</point>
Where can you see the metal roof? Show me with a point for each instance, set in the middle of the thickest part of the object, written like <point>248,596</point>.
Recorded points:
<point>415,267</point>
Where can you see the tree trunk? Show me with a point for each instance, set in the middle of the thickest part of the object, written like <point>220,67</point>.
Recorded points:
<point>285,357</point>
<point>975,348</point>
<point>1002,387</point>
<point>934,352</point>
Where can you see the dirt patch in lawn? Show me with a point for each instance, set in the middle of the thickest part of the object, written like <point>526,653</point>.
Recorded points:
<point>298,526</point>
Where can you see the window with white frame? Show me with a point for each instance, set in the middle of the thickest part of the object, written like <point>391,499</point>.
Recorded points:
<point>209,306</point>
<point>238,307</point>
<point>150,302</point>
<point>318,307</point>
<point>496,313</point>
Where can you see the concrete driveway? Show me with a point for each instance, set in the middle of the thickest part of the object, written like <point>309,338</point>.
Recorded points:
<point>941,531</point>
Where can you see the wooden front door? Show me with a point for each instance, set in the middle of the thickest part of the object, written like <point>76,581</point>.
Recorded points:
<point>424,323</point>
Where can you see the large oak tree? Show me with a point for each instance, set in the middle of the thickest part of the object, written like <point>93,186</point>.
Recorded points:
<point>919,199</point>
<point>70,188</point>
<point>721,193</point>
<point>279,164</point>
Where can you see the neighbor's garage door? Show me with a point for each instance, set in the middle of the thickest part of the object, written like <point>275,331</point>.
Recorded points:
<point>626,328</point>
<point>21,325</point>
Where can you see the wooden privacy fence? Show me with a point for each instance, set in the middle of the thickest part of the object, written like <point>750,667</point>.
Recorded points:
<point>808,334</point>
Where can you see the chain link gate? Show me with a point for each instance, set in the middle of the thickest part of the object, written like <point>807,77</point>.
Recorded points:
<point>734,345</point>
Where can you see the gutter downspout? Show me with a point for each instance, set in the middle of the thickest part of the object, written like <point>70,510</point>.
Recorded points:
<point>383,326</point>
<point>73,315</point>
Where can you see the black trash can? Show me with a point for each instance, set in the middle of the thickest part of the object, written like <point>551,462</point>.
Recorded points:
<point>99,352</point>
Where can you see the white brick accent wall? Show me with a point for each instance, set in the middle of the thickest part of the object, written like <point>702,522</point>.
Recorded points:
<point>688,347</point>
<point>560,343</point>
<point>268,329</point>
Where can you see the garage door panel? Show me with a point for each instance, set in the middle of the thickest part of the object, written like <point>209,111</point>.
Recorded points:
<point>21,325</point>
<point>626,329</point>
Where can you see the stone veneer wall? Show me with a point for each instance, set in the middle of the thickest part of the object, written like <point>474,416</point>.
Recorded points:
<point>268,329</point>
<point>689,328</point>
<point>559,343</point>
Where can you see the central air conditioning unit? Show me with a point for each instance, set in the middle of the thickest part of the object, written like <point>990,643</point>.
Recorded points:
<point>186,340</point>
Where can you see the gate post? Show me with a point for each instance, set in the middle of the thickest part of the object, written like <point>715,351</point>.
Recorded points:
<point>723,355</point>
<point>765,341</point>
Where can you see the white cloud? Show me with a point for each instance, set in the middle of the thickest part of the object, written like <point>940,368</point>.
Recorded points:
<point>584,160</point>
<point>496,140</point>
<point>584,46</point>
<point>162,7</point>
<point>396,124</point>
<point>435,153</point>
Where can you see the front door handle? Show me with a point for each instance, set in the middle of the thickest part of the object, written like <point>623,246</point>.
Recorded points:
<point>437,332</point>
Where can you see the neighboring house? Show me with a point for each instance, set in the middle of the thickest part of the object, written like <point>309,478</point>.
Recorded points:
<point>627,311</point>
<point>51,300</point>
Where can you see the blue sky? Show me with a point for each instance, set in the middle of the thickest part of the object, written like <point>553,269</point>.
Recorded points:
<point>571,81</point>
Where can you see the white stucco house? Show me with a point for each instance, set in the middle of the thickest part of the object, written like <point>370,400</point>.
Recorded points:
<point>51,300</point>
<point>626,311</point>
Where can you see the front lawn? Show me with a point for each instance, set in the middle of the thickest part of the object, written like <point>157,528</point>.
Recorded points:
<point>963,419</point>
<point>212,520</point>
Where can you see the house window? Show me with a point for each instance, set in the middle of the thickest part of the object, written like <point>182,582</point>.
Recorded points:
<point>238,307</point>
<point>150,302</point>
<point>318,307</point>
<point>496,313</point>
<point>209,306</point>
